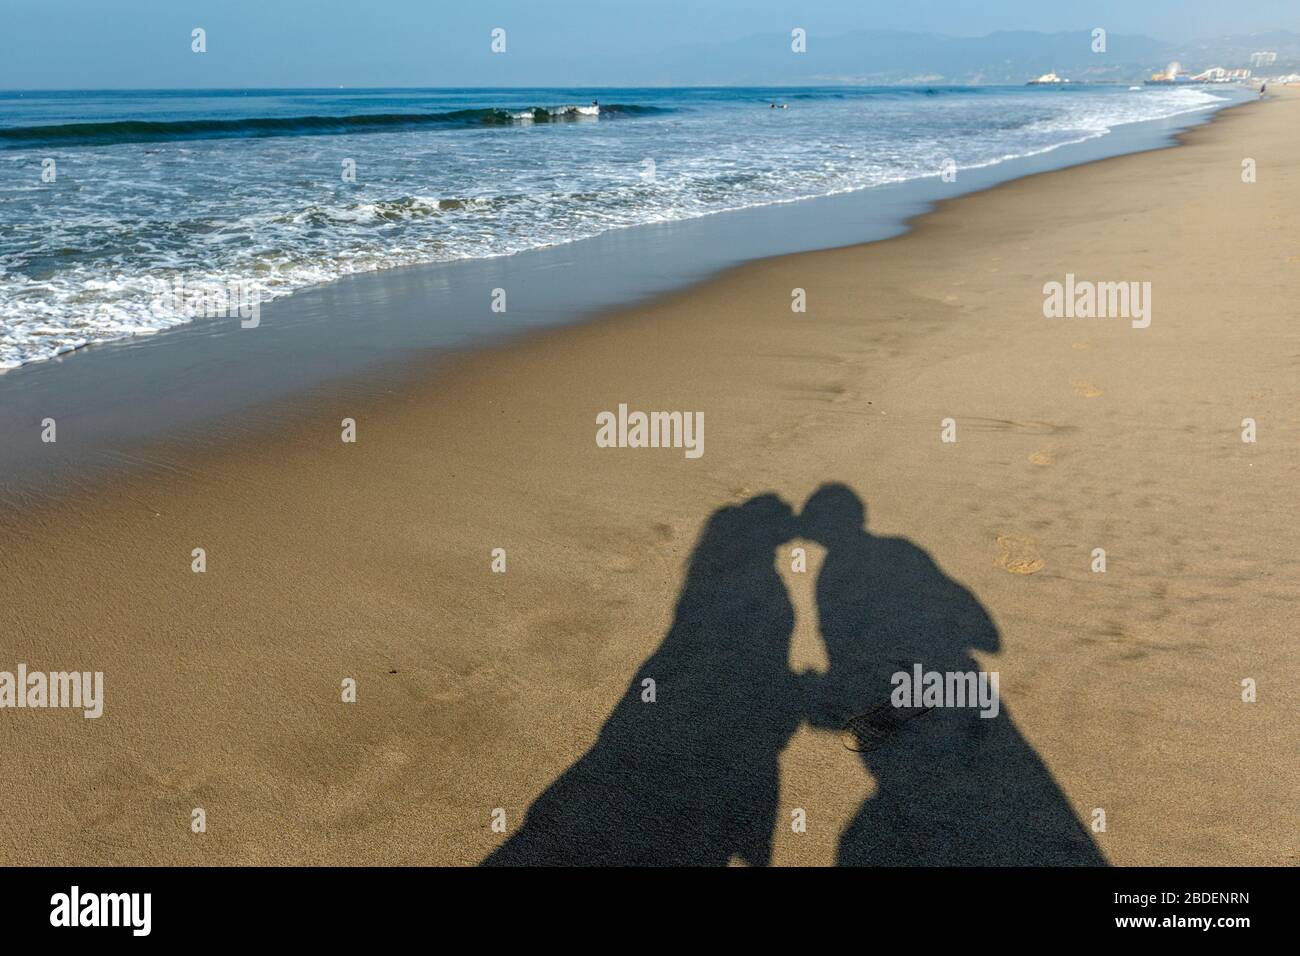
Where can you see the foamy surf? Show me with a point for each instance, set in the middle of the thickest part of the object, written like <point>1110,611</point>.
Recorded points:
<point>539,115</point>
<point>284,193</point>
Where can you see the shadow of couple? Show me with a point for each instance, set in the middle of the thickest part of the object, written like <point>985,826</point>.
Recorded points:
<point>693,777</point>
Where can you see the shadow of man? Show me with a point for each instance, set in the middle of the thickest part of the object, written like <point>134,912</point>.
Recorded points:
<point>692,777</point>
<point>953,787</point>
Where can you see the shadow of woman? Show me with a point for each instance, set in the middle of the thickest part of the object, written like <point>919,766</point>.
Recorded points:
<point>953,787</point>
<point>692,777</point>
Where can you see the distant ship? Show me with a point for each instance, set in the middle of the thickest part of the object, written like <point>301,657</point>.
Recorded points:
<point>1047,79</point>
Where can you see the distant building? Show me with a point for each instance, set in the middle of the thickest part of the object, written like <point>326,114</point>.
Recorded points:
<point>1263,58</point>
<point>1047,79</point>
<point>1175,74</point>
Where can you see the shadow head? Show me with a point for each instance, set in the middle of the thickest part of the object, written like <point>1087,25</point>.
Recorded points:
<point>833,512</point>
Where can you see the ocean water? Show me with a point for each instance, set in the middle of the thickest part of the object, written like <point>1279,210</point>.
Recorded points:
<point>156,192</point>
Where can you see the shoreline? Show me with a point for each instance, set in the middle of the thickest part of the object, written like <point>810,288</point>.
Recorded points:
<point>477,690</point>
<point>375,326</point>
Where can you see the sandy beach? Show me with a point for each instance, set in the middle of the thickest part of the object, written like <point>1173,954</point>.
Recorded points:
<point>477,690</point>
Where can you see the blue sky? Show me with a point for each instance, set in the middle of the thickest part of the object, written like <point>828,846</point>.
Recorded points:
<point>71,44</point>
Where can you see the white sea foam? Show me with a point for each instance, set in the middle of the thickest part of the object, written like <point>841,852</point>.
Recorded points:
<point>80,259</point>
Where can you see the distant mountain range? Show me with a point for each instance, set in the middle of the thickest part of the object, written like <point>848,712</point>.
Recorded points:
<point>893,57</point>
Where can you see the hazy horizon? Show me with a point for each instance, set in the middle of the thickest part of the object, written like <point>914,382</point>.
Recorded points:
<point>406,44</point>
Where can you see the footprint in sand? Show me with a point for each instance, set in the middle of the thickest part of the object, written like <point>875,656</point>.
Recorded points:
<point>1043,457</point>
<point>1086,389</point>
<point>1081,346</point>
<point>841,393</point>
<point>1019,555</point>
<point>866,732</point>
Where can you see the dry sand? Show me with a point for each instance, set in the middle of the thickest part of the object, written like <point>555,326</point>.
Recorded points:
<point>477,690</point>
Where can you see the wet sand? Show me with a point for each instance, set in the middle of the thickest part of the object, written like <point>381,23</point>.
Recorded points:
<point>1120,691</point>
